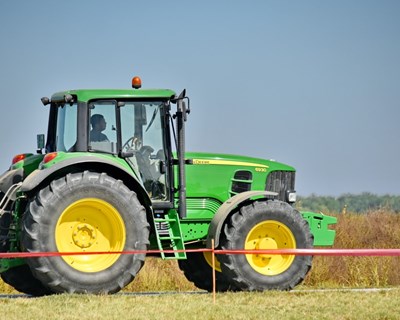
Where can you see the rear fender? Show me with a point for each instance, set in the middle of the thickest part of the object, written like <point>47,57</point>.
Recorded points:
<point>42,177</point>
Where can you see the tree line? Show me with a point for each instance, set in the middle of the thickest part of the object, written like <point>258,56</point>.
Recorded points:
<point>358,203</point>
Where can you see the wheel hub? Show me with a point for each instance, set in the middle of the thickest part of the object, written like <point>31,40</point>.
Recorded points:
<point>266,243</point>
<point>266,235</point>
<point>84,235</point>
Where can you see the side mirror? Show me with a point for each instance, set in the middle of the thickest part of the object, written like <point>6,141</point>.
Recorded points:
<point>40,143</point>
<point>45,101</point>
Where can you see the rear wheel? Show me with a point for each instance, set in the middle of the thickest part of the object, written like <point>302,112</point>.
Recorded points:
<point>266,225</point>
<point>198,269</point>
<point>19,277</point>
<point>22,279</point>
<point>86,212</point>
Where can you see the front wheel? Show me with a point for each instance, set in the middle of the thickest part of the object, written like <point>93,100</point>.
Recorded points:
<point>266,225</point>
<point>85,212</point>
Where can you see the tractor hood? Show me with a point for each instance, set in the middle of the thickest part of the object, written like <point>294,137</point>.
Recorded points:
<point>221,176</point>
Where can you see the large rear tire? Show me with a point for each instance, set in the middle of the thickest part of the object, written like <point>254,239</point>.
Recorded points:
<point>266,225</point>
<point>197,268</point>
<point>85,212</point>
<point>20,277</point>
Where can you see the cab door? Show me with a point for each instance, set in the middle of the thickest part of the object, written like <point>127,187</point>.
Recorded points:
<point>142,135</point>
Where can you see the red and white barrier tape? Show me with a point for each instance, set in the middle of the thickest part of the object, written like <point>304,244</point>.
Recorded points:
<point>298,252</point>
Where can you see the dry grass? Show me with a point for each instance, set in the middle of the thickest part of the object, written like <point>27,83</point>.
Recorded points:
<point>378,229</point>
<point>159,275</point>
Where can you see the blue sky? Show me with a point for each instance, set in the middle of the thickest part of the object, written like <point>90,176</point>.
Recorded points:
<point>315,84</point>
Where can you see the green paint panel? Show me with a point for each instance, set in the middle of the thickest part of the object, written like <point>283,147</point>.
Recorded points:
<point>194,230</point>
<point>320,228</point>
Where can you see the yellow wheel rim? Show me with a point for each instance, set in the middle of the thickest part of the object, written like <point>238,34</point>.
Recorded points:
<point>267,235</point>
<point>208,257</point>
<point>90,225</point>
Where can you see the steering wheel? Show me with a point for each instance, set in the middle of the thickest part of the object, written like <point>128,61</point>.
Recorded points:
<point>132,143</point>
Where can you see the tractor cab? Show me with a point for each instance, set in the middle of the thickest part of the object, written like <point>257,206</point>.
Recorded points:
<point>133,125</point>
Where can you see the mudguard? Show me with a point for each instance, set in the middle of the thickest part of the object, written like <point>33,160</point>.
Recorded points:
<point>86,163</point>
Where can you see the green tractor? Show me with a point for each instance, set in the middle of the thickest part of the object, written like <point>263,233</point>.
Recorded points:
<point>113,176</point>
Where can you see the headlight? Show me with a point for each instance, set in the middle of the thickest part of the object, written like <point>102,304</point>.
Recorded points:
<point>291,196</point>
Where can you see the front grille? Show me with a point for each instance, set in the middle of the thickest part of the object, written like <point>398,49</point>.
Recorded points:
<point>280,182</point>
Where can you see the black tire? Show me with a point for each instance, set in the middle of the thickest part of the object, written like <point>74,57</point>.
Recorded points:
<point>85,212</point>
<point>197,270</point>
<point>266,225</point>
<point>22,280</point>
<point>20,277</point>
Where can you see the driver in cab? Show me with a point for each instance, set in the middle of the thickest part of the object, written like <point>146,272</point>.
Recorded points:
<point>98,124</point>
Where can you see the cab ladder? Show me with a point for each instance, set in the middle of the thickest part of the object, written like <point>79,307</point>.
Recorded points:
<point>169,236</point>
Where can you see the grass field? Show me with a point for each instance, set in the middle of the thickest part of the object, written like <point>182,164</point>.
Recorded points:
<point>377,229</point>
<point>267,305</point>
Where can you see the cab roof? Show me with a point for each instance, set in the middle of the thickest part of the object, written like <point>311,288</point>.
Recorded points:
<point>85,95</point>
